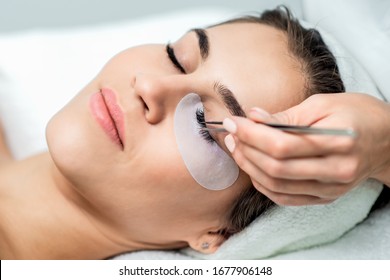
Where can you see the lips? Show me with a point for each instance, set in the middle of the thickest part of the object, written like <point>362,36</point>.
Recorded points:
<point>108,114</point>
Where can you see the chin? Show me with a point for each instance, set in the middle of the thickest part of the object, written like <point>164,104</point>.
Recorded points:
<point>74,147</point>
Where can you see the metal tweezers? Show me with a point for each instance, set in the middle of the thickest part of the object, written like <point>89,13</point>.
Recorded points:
<point>291,128</point>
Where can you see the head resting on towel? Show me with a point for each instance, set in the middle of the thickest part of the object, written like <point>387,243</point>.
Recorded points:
<point>321,74</point>
<point>132,174</point>
<point>285,229</point>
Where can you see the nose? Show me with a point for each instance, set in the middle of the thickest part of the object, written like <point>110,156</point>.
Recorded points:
<point>160,94</point>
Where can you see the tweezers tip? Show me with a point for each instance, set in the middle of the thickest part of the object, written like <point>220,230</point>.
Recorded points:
<point>212,122</point>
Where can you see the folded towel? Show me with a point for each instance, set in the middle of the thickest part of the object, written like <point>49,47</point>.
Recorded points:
<point>286,229</point>
<point>366,241</point>
<point>369,240</point>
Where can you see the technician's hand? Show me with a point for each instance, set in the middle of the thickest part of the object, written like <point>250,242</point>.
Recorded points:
<point>296,169</point>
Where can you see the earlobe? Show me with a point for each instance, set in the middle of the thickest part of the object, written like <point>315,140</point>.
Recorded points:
<point>208,242</point>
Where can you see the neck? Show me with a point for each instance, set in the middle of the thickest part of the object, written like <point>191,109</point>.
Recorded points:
<point>45,218</point>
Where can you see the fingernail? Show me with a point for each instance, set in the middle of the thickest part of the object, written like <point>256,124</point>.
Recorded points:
<point>229,142</point>
<point>229,125</point>
<point>260,113</point>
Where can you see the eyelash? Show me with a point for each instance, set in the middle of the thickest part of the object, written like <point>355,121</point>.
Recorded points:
<point>204,133</point>
<point>173,59</point>
<point>199,112</point>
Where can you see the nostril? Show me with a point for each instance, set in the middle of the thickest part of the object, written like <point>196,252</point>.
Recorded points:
<point>145,105</point>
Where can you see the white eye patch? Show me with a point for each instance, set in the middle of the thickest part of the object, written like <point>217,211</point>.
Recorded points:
<point>207,163</point>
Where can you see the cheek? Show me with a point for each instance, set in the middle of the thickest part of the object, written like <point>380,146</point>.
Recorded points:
<point>63,136</point>
<point>207,163</point>
<point>74,139</point>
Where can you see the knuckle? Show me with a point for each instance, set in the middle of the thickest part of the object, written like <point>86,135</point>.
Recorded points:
<point>275,185</point>
<point>279,149</point>
<point>348,172</point>
<point>346,144</point>
<point>246,134</point>
<point>274,168</point>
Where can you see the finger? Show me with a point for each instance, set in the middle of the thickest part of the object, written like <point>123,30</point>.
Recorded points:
<point>259,115</point>
<point>307,112</point>
<point>314,108</point>
<point>328,191</point>
<point>333,168</point>
<point>291,200</point>
<point>294,187</point>
<point>282,145</point>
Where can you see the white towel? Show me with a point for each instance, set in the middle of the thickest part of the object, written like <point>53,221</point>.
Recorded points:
<point>369,240</point>
<point>286,229</point>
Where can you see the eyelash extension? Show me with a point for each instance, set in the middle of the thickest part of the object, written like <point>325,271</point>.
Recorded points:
<point>201,121</point>
<point>172,57</point>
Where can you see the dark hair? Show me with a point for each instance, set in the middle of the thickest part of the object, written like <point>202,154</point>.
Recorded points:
<point>319,67</point>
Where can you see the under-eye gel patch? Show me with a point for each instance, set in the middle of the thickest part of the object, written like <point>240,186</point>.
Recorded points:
<point>207,163</point>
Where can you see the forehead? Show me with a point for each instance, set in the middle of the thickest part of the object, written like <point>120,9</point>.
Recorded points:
<point>253,60</point>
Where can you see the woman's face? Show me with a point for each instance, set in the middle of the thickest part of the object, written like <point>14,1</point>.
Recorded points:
<point>139,181</point>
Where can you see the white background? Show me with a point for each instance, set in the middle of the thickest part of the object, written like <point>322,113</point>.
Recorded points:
<point>26,14</point>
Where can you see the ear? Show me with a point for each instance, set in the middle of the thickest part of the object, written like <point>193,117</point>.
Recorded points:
<point>208,242</point>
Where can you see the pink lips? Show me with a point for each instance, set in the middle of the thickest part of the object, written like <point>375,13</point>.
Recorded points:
<point>108,114</point>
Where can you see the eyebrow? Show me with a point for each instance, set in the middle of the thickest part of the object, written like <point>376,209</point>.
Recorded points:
<point>229,100</point>
<point>223,91</point>
<point>203,41</point>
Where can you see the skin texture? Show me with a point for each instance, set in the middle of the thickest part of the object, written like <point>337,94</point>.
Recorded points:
<point>299,170</point>
<point>92,199</point>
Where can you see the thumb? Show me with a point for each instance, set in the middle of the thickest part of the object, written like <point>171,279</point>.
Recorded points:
<point>261,116</point>
<point>305,113</point>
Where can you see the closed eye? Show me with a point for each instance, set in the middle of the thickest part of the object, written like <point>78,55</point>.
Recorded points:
<point>172,57</point>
